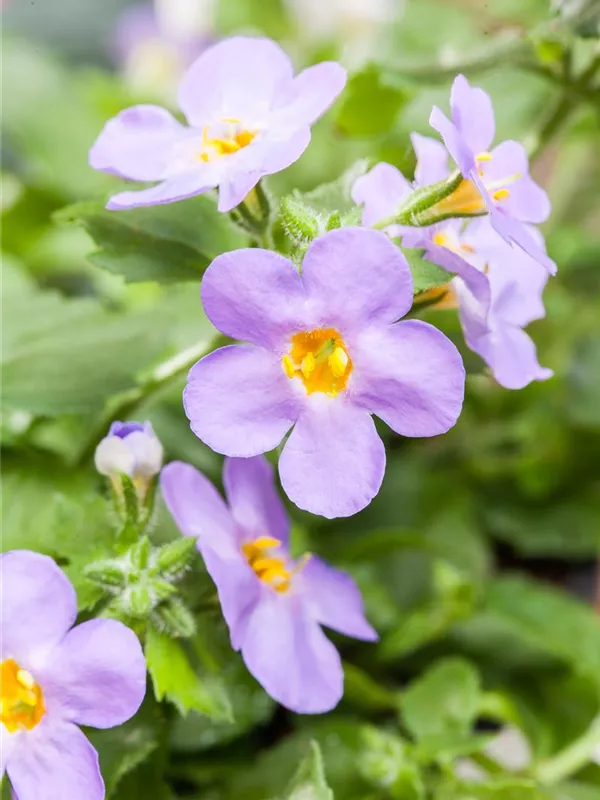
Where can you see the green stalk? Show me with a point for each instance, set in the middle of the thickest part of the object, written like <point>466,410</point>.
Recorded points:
<point>571,759</point>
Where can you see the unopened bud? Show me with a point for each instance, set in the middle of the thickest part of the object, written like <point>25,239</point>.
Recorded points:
<point>131,448</point>
<point>141,601</point>
<point>301,222</point>
<point>110,574</point>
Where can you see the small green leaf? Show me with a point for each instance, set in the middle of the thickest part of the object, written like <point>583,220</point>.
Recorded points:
<point>174,678</point>
<point>502,789</point>
<point>164,243</point>
<point>425,274</point>
<point>444,701</point>
<point>310,783</point>
<point>370,106</point>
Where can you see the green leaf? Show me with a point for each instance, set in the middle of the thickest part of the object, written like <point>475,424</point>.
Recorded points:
<point>175,679</point>
<point>362,690</point>
<point>335,196</point>
<point>370,106</point>
<point>574,790</point>
<point>67,356</point>
<point>310,783</point>
<point>550,620</point>
<point>164,243</point>
<point>425,274</point>
<point>444,701</point>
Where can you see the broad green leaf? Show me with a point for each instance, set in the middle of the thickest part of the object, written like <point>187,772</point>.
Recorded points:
<point>50,121</point>
<point>310,782</point>
<point>175,679</point>
<point>443,701</point>
<point>57,512</point>
<point>164,243</point>
<point>550,620</point>
<point>123,749</point>
<point>370,106</point>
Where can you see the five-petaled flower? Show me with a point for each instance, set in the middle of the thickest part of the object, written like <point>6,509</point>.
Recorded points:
<point>248,117</point>
<point>325,352</point>
<point>55,677</point>
<point>274,605</point>
<point>496,181</point>
<point>497,287</point>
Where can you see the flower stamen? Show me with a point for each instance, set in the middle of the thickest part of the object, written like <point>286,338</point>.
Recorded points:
<point>21,698</point>
<point>320,359</point>
<point>271,568</point>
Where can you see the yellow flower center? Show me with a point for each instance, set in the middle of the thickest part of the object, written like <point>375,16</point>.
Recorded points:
<point>21,699</point>
<point>228,138</point>
<point>270,567</point>
<point>467,199</point>
<point>320,359</point>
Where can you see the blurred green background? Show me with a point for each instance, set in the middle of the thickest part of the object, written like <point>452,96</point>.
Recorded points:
<point>452,553</point>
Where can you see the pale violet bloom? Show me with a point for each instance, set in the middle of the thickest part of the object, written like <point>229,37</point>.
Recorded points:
<point>497,288</point>
<point>498,180</point>
<point>273,604</point>
<point>130,448</point>
<point>155,42</point>
<point>248,116</point>
<point>56,677</point>
<point>325,352</point>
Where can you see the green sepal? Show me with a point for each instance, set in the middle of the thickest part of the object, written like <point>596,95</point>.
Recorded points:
<point>175,618</point>
<point>173,558</point>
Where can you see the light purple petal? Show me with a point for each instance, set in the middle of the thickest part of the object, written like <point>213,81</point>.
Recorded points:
<point>137,143</point>
<point>238,587</point>
<point>512,357</point>
<point>254,295</point>
<point>239,401</point>
<point>169,191</point>
<point>8,743</point>
<point>518,290</point>
<point>519,234</point>
<point>38,607</point>
<point>55,762</point>
<point>335,600</point>
<point>199,510</point>
<point>290,656</point>
<point>381,191</point>
<point>473,114</point>
<point>197,507</point>
<point>454,141</point>
<point>237,76</point>
<point>432,159</point>
<point>527,201</point>
<point>308,97</point>
<point>354,275</point>
<point>333,462</point>
<point>254,501</point>
<point>411,376</point>
<point>96,676</point>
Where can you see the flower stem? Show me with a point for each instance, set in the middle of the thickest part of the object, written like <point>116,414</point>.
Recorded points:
<point>126,403</point>
<point>571,759</point>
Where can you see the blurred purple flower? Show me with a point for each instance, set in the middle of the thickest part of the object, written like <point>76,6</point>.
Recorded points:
<point>325,354</point>
<point>55,678</point>
<point>153,51</point>
<point>274,606</point>
<point>497,289</point>
<point>248,115</point>
<point>499,180</point>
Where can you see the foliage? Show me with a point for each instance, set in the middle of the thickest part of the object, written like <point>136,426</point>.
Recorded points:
<point>455,557</point>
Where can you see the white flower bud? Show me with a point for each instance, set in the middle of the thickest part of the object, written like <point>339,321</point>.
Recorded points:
<point>131,449</point>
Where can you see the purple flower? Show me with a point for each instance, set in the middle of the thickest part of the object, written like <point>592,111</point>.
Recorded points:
<point>56,677</point>
<point>274,606</point>
<point>325,353</point>
<point>131,448</point>
<point>496,181</point>
<point>154,43</point>
<point>248,117</point>
<point>497,288</point>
